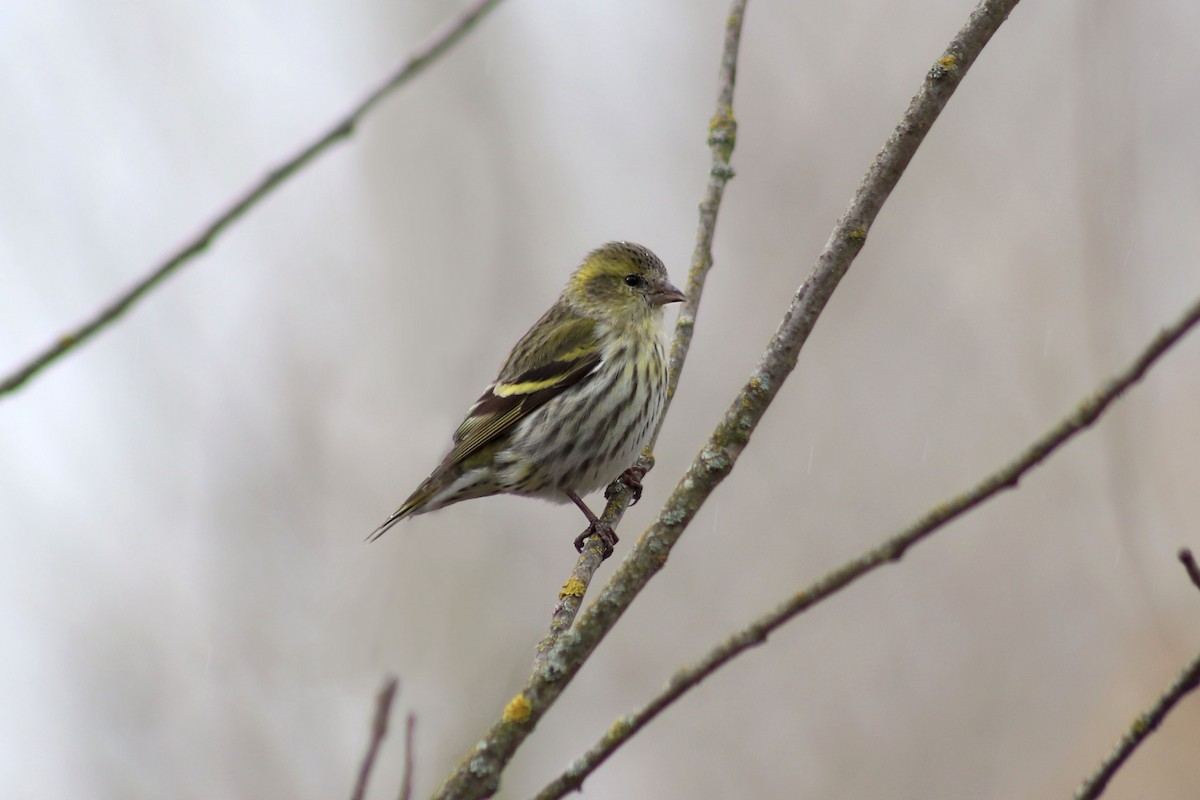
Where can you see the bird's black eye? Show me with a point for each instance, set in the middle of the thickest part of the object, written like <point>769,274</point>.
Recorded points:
<point>635,280</point>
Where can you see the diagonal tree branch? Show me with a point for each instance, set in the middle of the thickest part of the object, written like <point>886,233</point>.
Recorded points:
<point>1189,563</point>
<point>478,774</point>
<point>1147,722</point>
<point>722,131</point>
<point>379,727</point>
<point>1187,681</point>
<point>406,779</point>
<point>436,45</point>
<point>890,550</point>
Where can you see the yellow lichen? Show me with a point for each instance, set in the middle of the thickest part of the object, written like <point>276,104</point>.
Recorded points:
<point>620,729</point>
<point>943,67</point>
<point>517,710</point>
<point>572,588</point>
<point>722,132</point>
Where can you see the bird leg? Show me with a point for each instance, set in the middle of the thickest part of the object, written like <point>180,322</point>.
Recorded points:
<point>608,537</point>
<point>632,478</point>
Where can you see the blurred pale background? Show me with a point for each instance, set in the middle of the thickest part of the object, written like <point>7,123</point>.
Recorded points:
<point>186,605</point>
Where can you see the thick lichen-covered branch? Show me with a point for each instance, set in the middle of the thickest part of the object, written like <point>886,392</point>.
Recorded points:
<point>478,775</point>
<point>719,454</point>
<point>437,44</point>
<point>890,550</point>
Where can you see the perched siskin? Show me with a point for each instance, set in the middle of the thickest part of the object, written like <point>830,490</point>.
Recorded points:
<point>576,400</point>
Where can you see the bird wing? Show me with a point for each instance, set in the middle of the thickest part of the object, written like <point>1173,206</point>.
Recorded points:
<point>560,351</point>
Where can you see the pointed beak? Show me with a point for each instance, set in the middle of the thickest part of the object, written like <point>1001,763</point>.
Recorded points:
<point>666,294</point>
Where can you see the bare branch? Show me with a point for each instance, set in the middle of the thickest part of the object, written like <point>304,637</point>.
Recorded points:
<point>890,550</point>
<point>721,138</point>
<point>1189,563</point>
<point>437,44</point>
<point>478,774</point>
<point>722,135</point>
<point>570,597</point>
<point>1145,724</point>
<point>379,726</point>
<point>406,781</point>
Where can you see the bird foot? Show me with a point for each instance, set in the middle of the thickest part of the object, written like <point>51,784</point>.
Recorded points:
<point>632,478</point>
<point>608,538</point>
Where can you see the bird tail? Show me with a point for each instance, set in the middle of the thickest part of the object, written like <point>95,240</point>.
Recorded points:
<point>449,483</point>
<point>415,504</point>
<point>400,513</point>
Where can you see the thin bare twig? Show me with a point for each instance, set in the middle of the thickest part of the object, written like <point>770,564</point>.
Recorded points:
<point>478,774</point>
<point>1148,721</point>
<point>379,726</point>
<point>722,136</point>
<point>890,550</point>
<point>722,133</point>
<point>406,781</point>
<point>437,44</point>
<point>1189,563</point>
<point>1145,724</point>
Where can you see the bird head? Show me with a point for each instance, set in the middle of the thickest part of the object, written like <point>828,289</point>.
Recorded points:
<point>623,282</point>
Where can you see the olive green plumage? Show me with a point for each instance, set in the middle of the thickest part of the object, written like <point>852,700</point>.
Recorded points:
<point>577,398</point>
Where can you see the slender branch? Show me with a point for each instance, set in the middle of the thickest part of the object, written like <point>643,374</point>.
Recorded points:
<point>1148,721</point>
<point>1189,563</point>
<point>722,133</point>
<point>433,47</point>
<point>406,781</point>
<point>379,726</point>
<point>890,550</point>
<point>722,136</point>
<point>478,774</point>
<point>1145,724</point>
<point>570,597</point>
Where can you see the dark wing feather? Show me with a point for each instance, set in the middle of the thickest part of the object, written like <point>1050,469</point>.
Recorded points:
<point>562,350</point>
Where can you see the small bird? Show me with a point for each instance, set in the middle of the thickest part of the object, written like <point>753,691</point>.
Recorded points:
<point>577,399</point>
